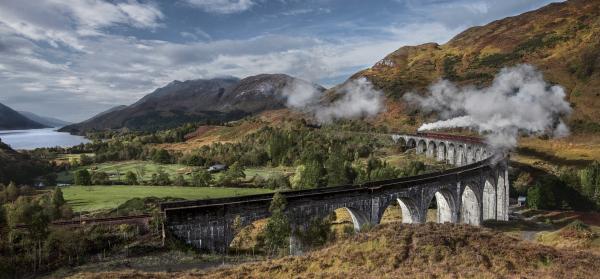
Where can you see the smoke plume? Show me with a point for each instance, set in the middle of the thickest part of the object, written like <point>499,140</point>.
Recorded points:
<point>357,99</point>
<point>518,101</point>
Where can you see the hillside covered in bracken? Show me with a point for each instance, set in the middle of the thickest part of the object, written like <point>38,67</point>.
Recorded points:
<point>410,251</point>
<point>562,40</point>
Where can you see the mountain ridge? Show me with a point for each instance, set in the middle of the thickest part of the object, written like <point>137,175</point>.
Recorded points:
<point>12,120</point>
<point>561,40</point>
<point>200,100</point>
<point>45,120</point>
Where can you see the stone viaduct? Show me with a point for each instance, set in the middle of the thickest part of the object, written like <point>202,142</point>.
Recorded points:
<point>476,190</point>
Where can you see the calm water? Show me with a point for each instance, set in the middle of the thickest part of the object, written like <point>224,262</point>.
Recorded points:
<point>36,138</point>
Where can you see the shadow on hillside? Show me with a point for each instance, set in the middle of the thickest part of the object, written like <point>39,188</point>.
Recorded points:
<point>527,151</point>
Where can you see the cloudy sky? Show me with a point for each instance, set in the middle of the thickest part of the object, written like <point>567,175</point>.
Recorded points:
<point>74,58</point>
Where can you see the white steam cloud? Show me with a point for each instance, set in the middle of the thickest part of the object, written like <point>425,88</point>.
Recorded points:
<point>518,101</point>
<point>358,99</point>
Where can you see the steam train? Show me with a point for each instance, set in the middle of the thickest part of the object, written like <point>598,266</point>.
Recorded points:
<point>450,137</point>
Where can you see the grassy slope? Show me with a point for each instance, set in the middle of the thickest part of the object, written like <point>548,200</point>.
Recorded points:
<point>555,38</point>
<point>577,150</point>
<point>236,131</point>
<point>410,251</point>
<point>91,198</point>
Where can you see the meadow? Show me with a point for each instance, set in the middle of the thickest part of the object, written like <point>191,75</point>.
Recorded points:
<point>93,198</point>
<point>145,169</point>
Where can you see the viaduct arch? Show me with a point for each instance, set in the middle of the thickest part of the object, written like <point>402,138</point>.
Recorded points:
<point>476,190</point>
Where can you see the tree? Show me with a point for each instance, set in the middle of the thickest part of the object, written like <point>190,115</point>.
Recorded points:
<point>336,169</point>
<point>66,212</point>
<point>3,197</point>
<point>161,178</point>
<point>50,179</point>
<point>100,178</point>
<point>541,196</point>
<point>523,182</point>
<point>36,220</point>
<point>237,227</point>
<point>201,178</point>
<point>85,160</point>
<point>131,178</point>
<point>278,230</point>
<point>318,231</point>
<point>140,171</point>
<point>383,173</point>
<point>162,156</point>
<point>3,222</point>
<point>278,203</point>
<point>277,181</point>
<point>413,168</point>
<point>233,175</point>
<point>590,182</point>
<point>57,198</point>
<point>277,147</point>
<point>179,180</point>
<point>309,175</point>
<point>12,192</point>
<point>82,177</point>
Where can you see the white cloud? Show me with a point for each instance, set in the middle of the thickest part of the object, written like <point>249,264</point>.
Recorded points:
<point>470,12</point>
<point>222,6</point>
<point>66,21</point>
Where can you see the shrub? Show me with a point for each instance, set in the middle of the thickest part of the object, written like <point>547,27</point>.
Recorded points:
<point>160,178</point>
<point>523,182</point>
<point>179,180</point>
<point>589,62</point>
<point>100,178</point>
<point>12,192</point>
<point>233,175</point>
<point>161,156</point>
<point>449,62</point>
<point>278,230</point>
<point>131,178</point>
<point>541,196</point>
<point>82,177</point>
<point>201,178</point>
<point>317,233</point>
<point>277,181</point>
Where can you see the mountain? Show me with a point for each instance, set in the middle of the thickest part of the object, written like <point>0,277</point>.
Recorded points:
<point>561,39</point>
<point>110,110</point>
<point>202,100</point>
<point>47,121</point>
<point>12,120</point>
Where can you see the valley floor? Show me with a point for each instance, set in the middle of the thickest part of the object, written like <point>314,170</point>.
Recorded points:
<point>93,198</point>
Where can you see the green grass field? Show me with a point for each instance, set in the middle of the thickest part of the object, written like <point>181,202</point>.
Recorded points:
<point>92,198</point>
<point>117,170</point>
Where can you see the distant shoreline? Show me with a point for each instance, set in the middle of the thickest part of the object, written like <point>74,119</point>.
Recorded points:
<point>29,139</point>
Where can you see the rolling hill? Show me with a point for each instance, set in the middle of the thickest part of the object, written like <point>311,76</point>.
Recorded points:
<point>561,39</point>
<point>202,100</point>
<point>12,120</point>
